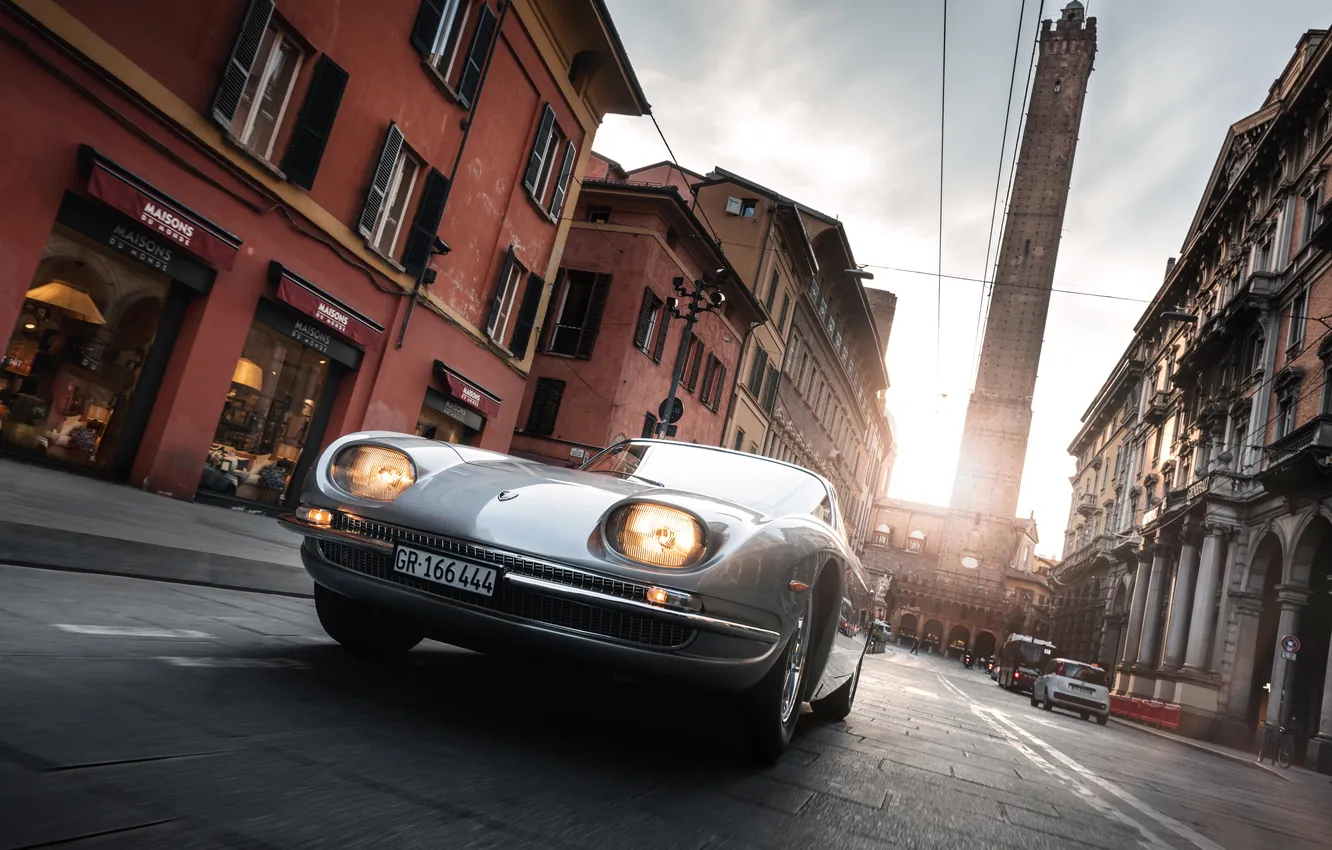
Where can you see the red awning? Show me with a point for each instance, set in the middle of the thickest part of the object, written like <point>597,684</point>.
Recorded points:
<point>324,309</point>
<point>122,190</point>
<point>465,391</point>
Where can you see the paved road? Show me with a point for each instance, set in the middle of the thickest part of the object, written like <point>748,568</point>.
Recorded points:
<point>147,715</point>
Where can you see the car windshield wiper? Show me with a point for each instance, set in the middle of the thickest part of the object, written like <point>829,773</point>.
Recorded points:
<point>642,478</point>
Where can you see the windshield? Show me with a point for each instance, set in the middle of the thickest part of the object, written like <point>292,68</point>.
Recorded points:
<point>765,486</point>
<point>1034,655</point>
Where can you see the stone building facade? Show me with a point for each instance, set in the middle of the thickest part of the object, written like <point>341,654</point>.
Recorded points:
<point>1202,525</point>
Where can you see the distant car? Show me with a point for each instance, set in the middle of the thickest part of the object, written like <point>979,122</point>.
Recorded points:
<point>1073,685</point>
<point>708,567</point>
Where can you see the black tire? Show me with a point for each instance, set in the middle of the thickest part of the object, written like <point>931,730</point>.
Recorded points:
<point>1286,752</point>
<point>1048,705</point>
<point>1084,715</point>
<point>837,705</point>
<point>763,704</point>
<point>1034,703</point>
<point>361,629</point>
<point>1102,719</point>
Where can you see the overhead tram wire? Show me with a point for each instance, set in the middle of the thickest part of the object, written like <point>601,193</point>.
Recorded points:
<point>938,283</point>
<point>1012,173</point>
<point>998,177</point>
<point>994,283</point>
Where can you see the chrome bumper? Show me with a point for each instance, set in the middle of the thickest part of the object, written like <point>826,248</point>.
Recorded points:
<point>685,619</point>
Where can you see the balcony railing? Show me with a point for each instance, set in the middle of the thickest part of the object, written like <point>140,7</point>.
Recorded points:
<point>1087,504</point>
<point>1316,434</point>
<point>1157,407</point>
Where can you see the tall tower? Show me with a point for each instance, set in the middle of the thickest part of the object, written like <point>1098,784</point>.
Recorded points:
<point>979,532</point>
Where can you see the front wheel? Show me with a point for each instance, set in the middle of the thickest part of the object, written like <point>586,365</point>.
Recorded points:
<point>1102,719</point>
<point>1286,752</point>
<point>362,629</point>
<point>772,707</point>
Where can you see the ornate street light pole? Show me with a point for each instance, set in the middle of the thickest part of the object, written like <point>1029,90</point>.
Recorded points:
<point>704,297</point>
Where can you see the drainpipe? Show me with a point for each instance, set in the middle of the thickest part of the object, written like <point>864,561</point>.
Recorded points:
<point>421,280</point>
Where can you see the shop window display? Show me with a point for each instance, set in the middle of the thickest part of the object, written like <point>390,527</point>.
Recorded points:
<point>76,354</point>
<point>266,418</point>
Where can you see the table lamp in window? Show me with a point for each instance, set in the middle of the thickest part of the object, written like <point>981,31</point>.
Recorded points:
<point>66,291</point>
<point>248,374</point>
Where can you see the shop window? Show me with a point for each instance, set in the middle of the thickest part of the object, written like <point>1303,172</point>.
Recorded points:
<point>577,307</point>
<point>267,91</point>
<point>441,30</point>
<point>73,363</point>
<point>266,418</point>
<point>549,165</point>
<point>545,406</point>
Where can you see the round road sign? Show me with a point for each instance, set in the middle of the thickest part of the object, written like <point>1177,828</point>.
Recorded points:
<point>1290,643</point>
<point>675,412</point>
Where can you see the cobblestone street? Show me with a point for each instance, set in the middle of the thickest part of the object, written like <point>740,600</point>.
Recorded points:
<point>142,714</point>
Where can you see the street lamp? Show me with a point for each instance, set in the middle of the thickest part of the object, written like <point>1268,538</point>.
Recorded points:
<point>687,303</point>
<point>1179,314</point>
<point>861,274</point>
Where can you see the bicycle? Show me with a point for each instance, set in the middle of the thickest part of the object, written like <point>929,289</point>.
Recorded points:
<point>1281,741</point>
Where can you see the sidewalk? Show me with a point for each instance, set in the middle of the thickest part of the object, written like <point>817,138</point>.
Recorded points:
<point>60,520</point>
<point>1298,775</point>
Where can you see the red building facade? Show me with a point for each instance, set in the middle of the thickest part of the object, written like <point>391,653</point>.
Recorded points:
<point>608,344</point>
<point>236,232</point>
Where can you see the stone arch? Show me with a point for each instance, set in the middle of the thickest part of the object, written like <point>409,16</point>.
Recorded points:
<point>1120,601</point>
<point>1312,532</point>
<point>932,627</point>
<point>1266,561</point>
<point>907,625</point>
<point>959,632</point>
<point>1265,573</point>
<point>985,644</point>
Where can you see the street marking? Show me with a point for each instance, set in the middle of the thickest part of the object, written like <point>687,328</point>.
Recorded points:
<point>994,717</point>
<point>253,663</point>
<point>918,692</point>
<point>132,631</point>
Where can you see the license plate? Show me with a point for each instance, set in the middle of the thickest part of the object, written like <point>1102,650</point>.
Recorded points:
<point>1082,689</point>
<point>445,570</point>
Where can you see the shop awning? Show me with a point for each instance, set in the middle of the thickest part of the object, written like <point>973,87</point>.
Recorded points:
<point>467,392</point>
<point>324,308</point>
<point>146,205</point>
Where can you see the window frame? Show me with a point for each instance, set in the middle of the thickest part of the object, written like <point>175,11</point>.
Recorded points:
<point>1298,320</point>
<point>390,197</point>
<point>460,16</point>
<point>496,331</point>
<point>559,301</point>
<point>242,138</point>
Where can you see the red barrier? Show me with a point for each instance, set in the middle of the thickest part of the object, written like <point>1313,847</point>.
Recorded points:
<point>1170,716</point>
<point>1152,712</point>
<point>1133,709</point>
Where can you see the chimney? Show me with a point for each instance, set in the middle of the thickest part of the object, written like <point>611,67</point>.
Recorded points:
<point>883,304</point>
<point>1170,266</point>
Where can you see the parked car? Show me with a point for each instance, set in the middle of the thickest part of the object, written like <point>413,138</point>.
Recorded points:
<point>709,567</point>
<point>1073,685</point>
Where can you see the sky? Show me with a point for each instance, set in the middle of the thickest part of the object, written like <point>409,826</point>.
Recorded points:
<point>837,104</point>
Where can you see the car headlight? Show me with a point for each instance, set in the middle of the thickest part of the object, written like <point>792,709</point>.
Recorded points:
<point>373,472</point>
<point>656,535</point>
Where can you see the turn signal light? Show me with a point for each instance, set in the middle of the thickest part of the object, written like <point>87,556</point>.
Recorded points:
<point>657,595</point>
<point>671,599</point>
<point>314,516</point>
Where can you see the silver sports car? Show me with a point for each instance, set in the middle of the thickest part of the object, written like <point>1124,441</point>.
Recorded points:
<point>710,567</point>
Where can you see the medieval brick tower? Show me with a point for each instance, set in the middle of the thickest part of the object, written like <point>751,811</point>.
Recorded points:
<point>979,532</point>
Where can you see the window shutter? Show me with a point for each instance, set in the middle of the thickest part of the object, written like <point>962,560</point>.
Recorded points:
<point>692,381</point>
<point>649,425</point>
<point>756,371</point>
<point>596,308</point>
<point>548,323</point>
<point>545,406</point>
<point>522,327</point>
<point>495,302</point>
<point>374,199</point>
<point>237,70</point>
<point>537,159</point>
<point>663,328</point>
<point>786,304</point>
<point>425,224</point>
<point>644,319</point>
<point>721,385</point>
<point>562,187</point>
<point>429,18</point>
<point>476,56</point>
<point>709,377</point>
<point>770,389</point>
<point>314,123</point>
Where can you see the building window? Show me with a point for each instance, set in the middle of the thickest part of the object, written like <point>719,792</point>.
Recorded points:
<point>549,165</point>
<point>916,541</point>
<point>444,51</point>
<point>739,438</point>
<point>772,292</point>
<point>693,363</point>
<point>757,369</point>
<point>1298,318</point>
<point>598,215</point>
<point>267,90</point>
<point>1285,418</point>
<point>769,397</point>
<point>1309,219</point>
<point>653,322</point>
<point>545,406</point>
<point>512,317</point>
<point>747,207</point>
<point>388,229</point>
<point>714,383</point>
<point>781,319</point>
<point>578,305</point>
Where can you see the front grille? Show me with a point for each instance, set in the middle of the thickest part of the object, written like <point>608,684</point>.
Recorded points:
<point>510,562</point>
<point>517,601</point>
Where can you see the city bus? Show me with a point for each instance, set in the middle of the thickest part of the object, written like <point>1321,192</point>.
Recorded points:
<point>1022,659</point>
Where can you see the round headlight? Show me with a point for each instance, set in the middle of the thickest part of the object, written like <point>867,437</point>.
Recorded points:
<point>656,535</point>
<point>373,472</point>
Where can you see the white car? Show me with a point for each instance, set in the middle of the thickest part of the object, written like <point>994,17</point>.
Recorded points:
<point>1073,685</point>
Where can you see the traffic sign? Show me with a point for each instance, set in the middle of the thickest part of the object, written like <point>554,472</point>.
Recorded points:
<point>1290,643</point>
<point>1289,656</point>
<point>675,413</point>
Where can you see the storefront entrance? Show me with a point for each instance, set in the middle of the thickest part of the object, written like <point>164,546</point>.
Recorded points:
<point>457,411</point>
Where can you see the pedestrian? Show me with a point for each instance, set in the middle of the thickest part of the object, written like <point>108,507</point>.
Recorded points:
<point>915,646</point>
